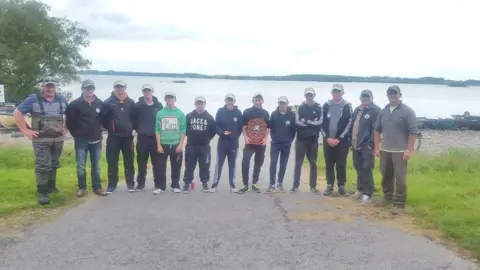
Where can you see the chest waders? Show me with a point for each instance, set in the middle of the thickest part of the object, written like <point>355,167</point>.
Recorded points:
<point>48,147</point>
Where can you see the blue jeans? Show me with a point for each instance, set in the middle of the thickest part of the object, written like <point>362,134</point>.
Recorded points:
<point>82,148</point>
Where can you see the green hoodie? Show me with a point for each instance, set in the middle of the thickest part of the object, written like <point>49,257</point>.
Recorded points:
<point>170,124</point>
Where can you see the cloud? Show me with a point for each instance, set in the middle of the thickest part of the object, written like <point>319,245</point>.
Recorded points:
<point>371,37</point>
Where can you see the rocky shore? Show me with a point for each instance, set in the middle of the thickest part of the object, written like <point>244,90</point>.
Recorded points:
<point>433,141</point>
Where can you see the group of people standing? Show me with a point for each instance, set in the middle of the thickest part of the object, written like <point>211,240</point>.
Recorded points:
<point>164,130</point>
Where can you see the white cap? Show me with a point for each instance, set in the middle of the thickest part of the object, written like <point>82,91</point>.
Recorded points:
<point>230,95</point>
<point>200,98</point>
<point>170,93</point>
<point>147,86</point>
<point>257,95</point>
<point>283,99</point>
<point>309,90</point>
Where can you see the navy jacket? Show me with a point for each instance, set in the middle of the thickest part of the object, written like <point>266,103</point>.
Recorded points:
<point>282,126</point>
<point>227,120</point>
<point>145,116</point>
<point>120,116</point>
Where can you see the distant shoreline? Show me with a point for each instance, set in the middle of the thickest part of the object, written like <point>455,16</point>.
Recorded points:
<point>297,78</point>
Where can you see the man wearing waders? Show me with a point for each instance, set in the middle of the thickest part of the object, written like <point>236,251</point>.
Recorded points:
<point>120,136</point>
<point>200,131</point>
<point>229,125</point>
<point>336,131</point>
<point>145,113</point>
<point>47,133</point>
<point>282,132</point>
<point>364,119</point>
<point>308,120</point>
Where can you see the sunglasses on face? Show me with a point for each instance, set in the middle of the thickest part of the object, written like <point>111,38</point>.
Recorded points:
<point>89,88</point>
<point>365,96</point>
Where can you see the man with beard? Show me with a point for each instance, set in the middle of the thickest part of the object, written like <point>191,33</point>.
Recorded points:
<point>255,141</point>
<point>397,122</point>
<point>282,132</point>
<point>200,131</point>
<point>336,131</point>
<point>170,129</point>
<point>308,120</point>
<point>146,110</point>
<point>85,116</point>
<point>229,122</point>
<point>363,131</point>
<point>120,136</point>
<point>46,133</point>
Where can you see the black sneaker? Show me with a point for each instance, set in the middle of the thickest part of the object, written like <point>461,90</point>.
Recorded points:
<point>294,190</point>
<point>42,198</point>
<point>343,191</point>
<point>280,188</point>
<point>328,191</point>
<point>186,188</point>
<point>255,188</point>
<point>314,190</point>
<point>243,190</point>
<point>205,187</point>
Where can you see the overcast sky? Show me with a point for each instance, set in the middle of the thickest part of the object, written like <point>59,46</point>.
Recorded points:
<point>264,37</point>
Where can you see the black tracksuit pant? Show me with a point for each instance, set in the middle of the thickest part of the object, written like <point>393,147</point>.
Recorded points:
<point>306,147</point>
<point>248,151</point>
<point>336,159</point>
<point>364,162</point>
<point>176,160</point>
<point>115,144</point>
<point>194,154</point>
<point>147,147</point>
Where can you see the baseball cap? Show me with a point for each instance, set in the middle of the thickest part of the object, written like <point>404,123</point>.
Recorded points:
<point>49,80</point>
<point>366,92</point>
<point>200,98</point>
<point>120,83</point>
<point>170,93</point>
<point>309,90</point>
<point>257,95</point>
<point>338,87</point>
<point>147,87</point>
<point>283,99</point>
<point>230,95</point>
<point>88,83</point>
<point>394,88</point>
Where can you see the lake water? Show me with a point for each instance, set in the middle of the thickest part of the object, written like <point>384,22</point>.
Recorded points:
<point>426,100</point>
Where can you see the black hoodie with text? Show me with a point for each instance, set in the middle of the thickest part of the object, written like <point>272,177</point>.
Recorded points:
<point>200,128</point>
<point>120,111</point>
<point>145,116</point>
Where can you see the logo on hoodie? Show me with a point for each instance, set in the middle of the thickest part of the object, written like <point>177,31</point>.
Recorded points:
<point>198,124</point>
<point>170,124</point>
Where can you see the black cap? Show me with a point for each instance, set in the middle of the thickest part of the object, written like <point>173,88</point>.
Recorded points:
<point>366,92</point>
<point>394,88</point>
<point>88,83</point>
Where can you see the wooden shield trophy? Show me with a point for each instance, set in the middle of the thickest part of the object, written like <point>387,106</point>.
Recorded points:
<point>256,130</point>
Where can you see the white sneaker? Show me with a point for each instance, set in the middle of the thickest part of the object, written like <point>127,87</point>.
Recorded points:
<point>366,199</point>
<point>234,190</point>
<point>177,190</point>
<point>357,195</point>
<point>157,191</point>
<point>213,190</point>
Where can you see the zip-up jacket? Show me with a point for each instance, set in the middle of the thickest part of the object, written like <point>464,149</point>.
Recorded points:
<point>200,128</point>
<point>344,125</point>
<point>84,120</point>
<point>282,126</point>
<point>145,115</point>
<point>227,120</point>
<point>120,116</point>
<point>308,120</point>
<point>366,125</point>
<point>396,127</point>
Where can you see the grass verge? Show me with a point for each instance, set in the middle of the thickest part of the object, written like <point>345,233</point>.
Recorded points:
<point>18,185</point>
<point>443,193</point>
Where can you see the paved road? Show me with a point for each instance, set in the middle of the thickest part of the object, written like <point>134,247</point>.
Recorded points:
<point>221,231</point>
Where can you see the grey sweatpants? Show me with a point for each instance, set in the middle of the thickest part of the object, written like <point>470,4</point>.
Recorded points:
<point>394,177</point>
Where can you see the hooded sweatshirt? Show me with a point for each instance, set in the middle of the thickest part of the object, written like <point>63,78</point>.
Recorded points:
<point>200,128</point>
<point>120,115</point>
<point>282,126</point>
<point>227,120</point>
<point>170,124</point>
<point>144,116</point>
